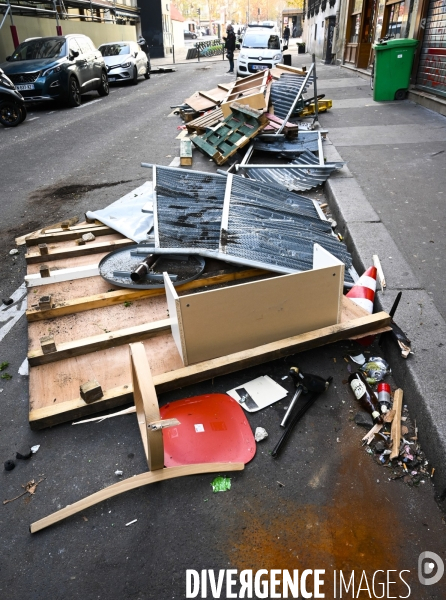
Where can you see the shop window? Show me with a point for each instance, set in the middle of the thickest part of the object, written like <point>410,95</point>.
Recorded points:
<point>396,14</point>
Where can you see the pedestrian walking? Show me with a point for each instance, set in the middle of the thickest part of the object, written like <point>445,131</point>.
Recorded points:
<point>286,35</point>
<point>230,46</point>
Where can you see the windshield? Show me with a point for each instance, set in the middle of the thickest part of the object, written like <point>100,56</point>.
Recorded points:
<point>40,48</point>
<point>261,40</point>
<point>114,49</point>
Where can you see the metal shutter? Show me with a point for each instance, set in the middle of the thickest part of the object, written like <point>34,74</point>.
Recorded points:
<point>431,76</point>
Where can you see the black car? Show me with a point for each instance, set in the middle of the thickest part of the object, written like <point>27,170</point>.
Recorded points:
<point>190,34</point>
<point>57,68</point>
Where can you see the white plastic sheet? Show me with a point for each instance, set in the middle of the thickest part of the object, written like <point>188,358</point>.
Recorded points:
<point>131,214</point>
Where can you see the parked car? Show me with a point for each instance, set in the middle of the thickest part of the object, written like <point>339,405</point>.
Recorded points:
<point>261,49</point>
<point>125,61</point>
<point>12,104</point>
<point>57,68</point>
<point>190,34</point>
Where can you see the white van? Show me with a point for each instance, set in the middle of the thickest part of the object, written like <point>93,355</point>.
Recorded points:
<point>261,49</point>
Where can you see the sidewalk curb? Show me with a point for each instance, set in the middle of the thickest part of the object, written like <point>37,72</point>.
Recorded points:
<point>421,375</point>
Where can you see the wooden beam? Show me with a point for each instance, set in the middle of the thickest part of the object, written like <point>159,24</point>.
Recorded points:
<point>97,342</point>
<point>76,305</point>
<point>33,259</point>
<point>130,484</point>
<point>73,409</point>
<point>66,235</point>
<point>395,432</point>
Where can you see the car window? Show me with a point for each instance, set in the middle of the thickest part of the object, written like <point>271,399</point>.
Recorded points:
<point>90,43</point>
<point>114,49</point>
<point>261,40</point>
<point>40,48</point>
<point>74,46</point>
<point>84,46</point>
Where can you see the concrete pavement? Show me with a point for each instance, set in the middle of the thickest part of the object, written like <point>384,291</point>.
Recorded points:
<point>390,201</point>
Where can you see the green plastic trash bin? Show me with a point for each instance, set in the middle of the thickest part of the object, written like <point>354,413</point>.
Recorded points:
<point>393,64</point>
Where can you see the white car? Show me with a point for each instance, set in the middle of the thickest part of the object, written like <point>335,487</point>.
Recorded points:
<point>261,49</point>
<point>125,61</point>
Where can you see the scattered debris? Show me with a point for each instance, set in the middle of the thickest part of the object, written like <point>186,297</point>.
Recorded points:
<point>24,454</point>
<point>13,251</point>
<point>364,419</point>
<point>258,393</point>
<point>29,488</point>
<point>376,368</point>
<point>9,465</point>
<point>260,434</point>
<point>119,473</point>
<point>7,302</point>
<point>131,522</point>
<point>34,449</point>
<point>221,484</point>
<point>88,237</point>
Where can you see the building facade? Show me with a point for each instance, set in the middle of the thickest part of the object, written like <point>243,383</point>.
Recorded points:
<point>322,34</point>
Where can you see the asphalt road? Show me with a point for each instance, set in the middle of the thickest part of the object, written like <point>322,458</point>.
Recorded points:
<point>324,504</point>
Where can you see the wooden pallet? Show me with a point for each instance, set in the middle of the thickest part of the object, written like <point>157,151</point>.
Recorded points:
<point>253,91</point>
<point>221,142</point>
<point>204,122</point>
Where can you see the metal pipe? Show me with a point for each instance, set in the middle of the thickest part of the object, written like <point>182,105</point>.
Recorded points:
<point>6,13</point>
<point>295,398</point>
<point>287,166</point>
<point>296,100</point>
<point>316,104</point>
<point>151,165</point>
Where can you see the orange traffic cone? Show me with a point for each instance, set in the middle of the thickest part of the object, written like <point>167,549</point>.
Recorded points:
<point>363,294</point>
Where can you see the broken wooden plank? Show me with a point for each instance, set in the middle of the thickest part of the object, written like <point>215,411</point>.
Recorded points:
<point>132,483</point>
<point>91,391</point>
<point>67,235</point>
<point>80,251</point>
<point>68,307</point>
<point>52,414</point>
<point>50,353</point>
<point>395,432</point>
<point>186,153</point>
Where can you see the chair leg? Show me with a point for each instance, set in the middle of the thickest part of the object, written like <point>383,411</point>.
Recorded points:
<point>130,484</point>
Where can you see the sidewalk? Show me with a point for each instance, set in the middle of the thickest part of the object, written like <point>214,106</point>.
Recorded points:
<point>390,201</point>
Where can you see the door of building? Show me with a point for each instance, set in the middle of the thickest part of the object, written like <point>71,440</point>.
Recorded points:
<point>330,23</point>
<point>431,76</point>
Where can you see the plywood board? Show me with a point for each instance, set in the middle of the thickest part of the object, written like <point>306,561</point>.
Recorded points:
<point>220,322</point>
<point>54,388</point>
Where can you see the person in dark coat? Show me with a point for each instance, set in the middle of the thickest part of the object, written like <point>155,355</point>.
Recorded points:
<point>230,46</point>
<point>286,35</point>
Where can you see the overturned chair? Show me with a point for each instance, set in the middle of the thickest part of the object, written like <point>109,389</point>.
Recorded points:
<point>196,445</point>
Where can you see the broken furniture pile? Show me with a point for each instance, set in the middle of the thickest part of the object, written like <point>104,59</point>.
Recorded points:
<point>258,111</point>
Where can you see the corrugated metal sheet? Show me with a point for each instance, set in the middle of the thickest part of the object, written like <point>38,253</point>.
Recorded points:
<point>241,220</point>
<point>301,179</point>
<point>306,140</point>
<point>285,90</point>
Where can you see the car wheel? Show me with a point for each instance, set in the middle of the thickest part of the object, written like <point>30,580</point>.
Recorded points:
<point>103,89</point>
<point>147,73</point>
<point>10,114</point>
<point>74,93</point>
<point>23,113</point>
<point>134,79</point>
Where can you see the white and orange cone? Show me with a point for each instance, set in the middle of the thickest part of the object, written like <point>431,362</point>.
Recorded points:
<point>363,294</point>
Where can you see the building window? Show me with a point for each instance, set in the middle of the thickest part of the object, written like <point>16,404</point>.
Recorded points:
<point>355,25</point>
<point>396,14</point>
